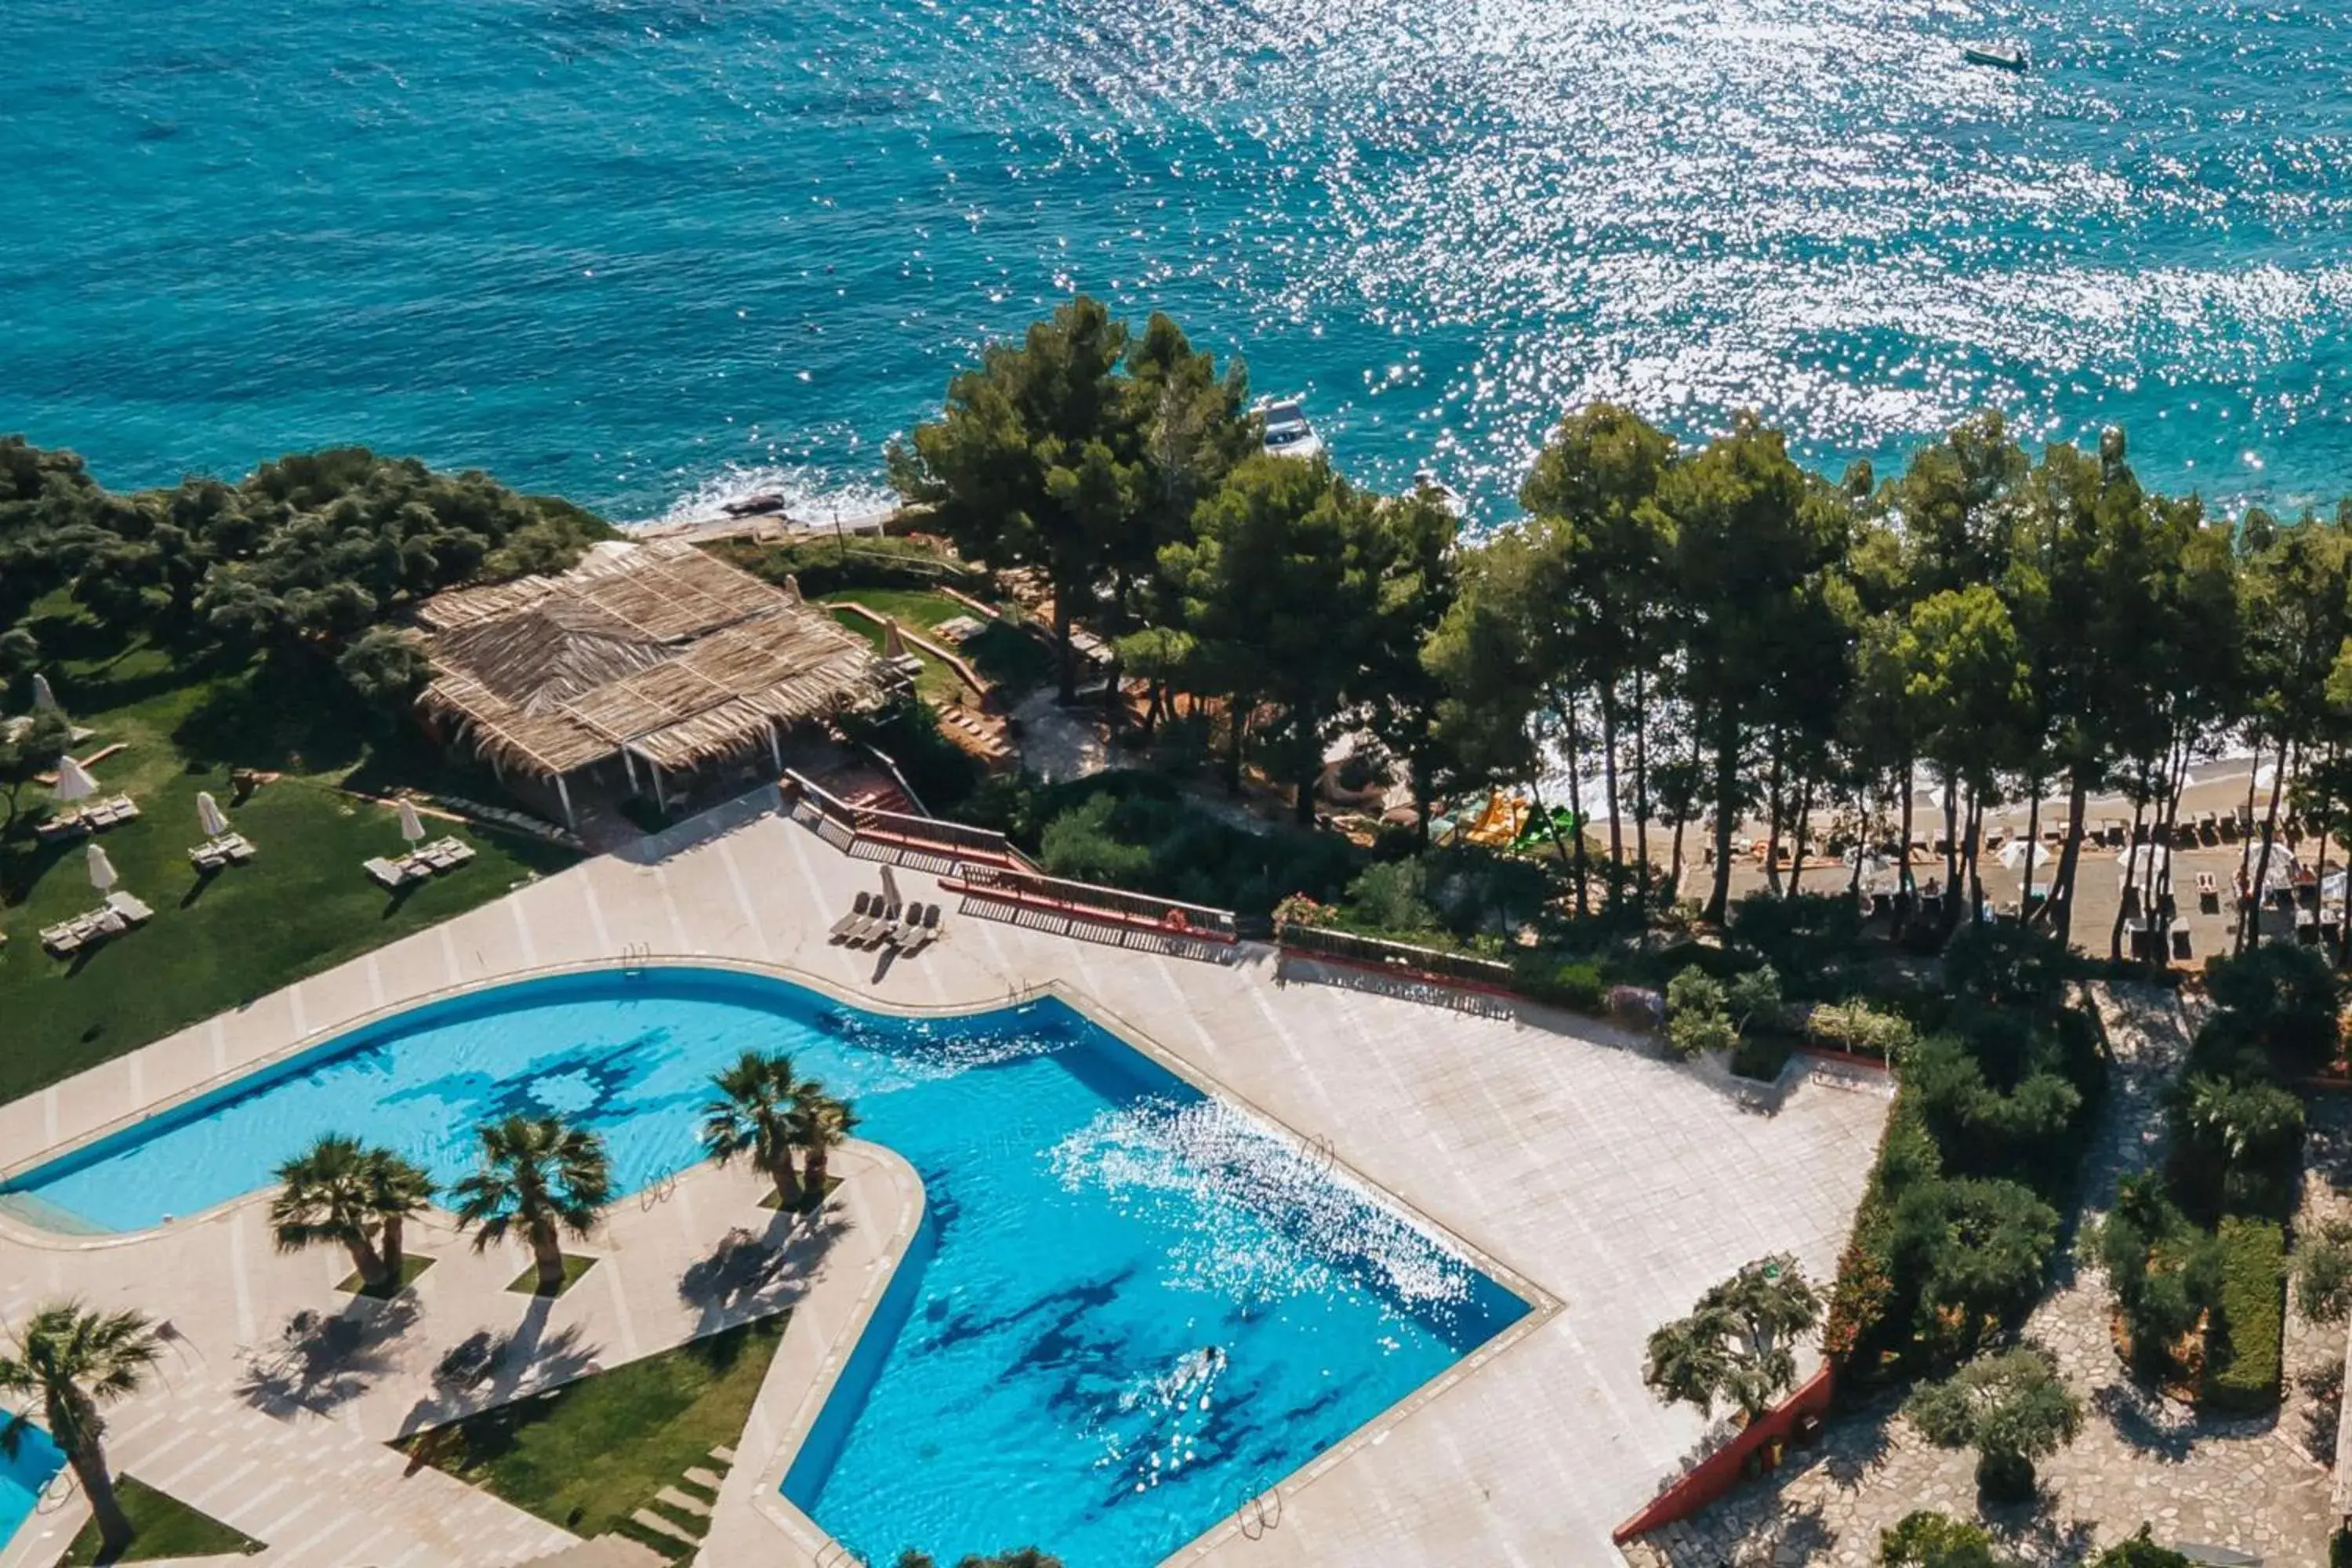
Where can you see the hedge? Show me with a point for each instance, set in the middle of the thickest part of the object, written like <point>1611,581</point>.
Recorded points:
<point>2243,1343</point>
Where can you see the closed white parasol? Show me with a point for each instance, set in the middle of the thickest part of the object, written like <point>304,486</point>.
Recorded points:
<point>209,820</point>
<point>74,781</point>
<point>101,870</point>
<point>412,826</point>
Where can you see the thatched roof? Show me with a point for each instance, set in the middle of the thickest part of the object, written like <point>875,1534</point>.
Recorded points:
<point>656,647</point>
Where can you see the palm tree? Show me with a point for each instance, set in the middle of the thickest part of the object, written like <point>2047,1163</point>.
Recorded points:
<point>819,1123</point>
<point>1740,1343</point>
<point>77,1359</point>
<point>396,1190</point>
<point>542,1175</point>
<point>328,1199</point>
<point>752,1115</point>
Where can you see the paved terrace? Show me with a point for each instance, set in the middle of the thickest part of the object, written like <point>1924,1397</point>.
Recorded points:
<point>1617,1184</point>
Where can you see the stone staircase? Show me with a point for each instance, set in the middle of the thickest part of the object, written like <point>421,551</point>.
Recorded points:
<point>679,1516</point>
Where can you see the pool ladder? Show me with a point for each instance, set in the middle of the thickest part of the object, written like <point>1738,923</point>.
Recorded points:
<point>635,957</point>
<point>1260,1516</point>
<point>1319,1152</point>
<point>836,1555</point>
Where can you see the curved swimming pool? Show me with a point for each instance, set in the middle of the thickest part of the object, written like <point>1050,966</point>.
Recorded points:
<point>23,1475</point>
<point>1133,1308</point>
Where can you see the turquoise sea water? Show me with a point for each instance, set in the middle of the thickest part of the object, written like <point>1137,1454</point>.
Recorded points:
<point>626,249</point>
<point>1131,1310</point>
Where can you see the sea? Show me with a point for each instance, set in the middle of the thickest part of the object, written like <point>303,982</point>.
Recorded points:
<point>651,254</point>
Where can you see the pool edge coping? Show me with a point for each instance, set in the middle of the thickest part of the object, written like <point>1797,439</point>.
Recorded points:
<point>769,1502</point>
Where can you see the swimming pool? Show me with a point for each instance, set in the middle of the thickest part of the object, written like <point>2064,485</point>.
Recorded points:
<point>37,1462</point>
<point>1131,1308</point>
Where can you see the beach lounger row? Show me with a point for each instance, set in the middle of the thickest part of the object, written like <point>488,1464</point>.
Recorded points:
<point>95,817</point>
<point>213,853</point>
<point>873,923</point>
<point>120,914</point>
<point>419,864</point>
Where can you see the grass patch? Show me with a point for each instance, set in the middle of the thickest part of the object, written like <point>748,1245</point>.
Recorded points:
<point>806,1205</point>
<point>527,1282</point>
<point>2244,1344</point>
<point>410,1265</point>
<point>302,906</point>
<point>1001,651</point>
<point>937,685</point>
<point>593,1452</point>
<point>165,1527</point>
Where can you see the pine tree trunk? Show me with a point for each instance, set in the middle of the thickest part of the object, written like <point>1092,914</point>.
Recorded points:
<point>1609,788</point>
<point>2062,892</point>
<point>2131,871</point>
<point>1237,724</point>
<point>2032,855</point>
<point>1727,809</point>
<point>1641,790</point>
<point>1797,836</point>
<point>1070,654</point>
<point>1576,807</point>
<point>2270,834</point>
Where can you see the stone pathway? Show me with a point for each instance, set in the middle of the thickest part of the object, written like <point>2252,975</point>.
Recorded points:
<point>2242,1484</point>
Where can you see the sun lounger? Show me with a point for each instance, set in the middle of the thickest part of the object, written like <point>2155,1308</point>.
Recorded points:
<point>69,826</point>
<point>131,907</point>
<point>869,924</point>
<point>392,875</point>
<point>207,857</point>
<point>925,931</point>
<point>891,925</point>
<point>859,911</point>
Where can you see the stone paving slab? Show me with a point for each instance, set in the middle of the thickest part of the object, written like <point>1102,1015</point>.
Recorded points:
<point>1616,1183</point>
<point>2240,1484</point>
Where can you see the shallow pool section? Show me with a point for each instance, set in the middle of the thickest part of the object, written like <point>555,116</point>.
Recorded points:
<point>1131,1308</point>
<point>35,1464</point>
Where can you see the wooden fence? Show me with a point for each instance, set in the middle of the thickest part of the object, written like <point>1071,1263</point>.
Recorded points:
<point>1028,888</point>
<point>905,830</point>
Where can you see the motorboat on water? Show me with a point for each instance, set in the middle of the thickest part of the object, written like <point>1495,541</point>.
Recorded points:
<point>1288,432</point>
<point>1426,482</point>
<point>2000,57</point>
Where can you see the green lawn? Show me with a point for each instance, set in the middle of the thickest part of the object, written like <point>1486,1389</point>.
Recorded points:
<point>166,1528</point>
<point>1002,653</point>
<point>592,1453</point>
<point>302,906</point>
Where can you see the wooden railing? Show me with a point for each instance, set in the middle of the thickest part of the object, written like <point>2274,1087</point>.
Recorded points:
<point>1018,884</point>
<point>929,835</point>
<point>1393,957</point>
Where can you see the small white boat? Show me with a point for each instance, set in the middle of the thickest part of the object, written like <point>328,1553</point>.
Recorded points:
<point>1426,482</point>
<point>1287,433</point>
<point>2000,57</point>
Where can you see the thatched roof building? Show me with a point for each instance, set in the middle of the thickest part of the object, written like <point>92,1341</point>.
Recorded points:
<point>651,652</point>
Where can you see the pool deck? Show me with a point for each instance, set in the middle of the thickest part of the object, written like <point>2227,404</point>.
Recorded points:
<point>1616,1185</point>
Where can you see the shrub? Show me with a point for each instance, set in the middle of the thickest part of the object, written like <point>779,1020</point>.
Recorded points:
<point>1930,1540</point>
<point>2012,1408</point>
<point>2161,1269</point>
<point>1389,897</point>
<point>1859,1027</point>
<point>2139,1552</point>
<point>1987,1132</point>
<point>822,565</point>
<point>2242,1342</point>
<point>1975,1249</point>
<point>1814,939</point>
<point>1576,984</point>
<point>1753,997</point>
<point>2281,999</point>
<point>2235,1148</point>
<point>1079,844</point>
<point>2323,1277</point>
<point>1761,1057</point>
<point>2007,965</point>
<point>1697,1019</point>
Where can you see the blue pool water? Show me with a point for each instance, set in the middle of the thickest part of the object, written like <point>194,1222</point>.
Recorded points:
<point>1133,1308</point>
<point>22,1478</point>
<point>619,249</point>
